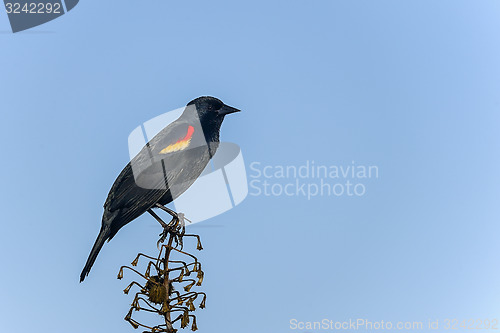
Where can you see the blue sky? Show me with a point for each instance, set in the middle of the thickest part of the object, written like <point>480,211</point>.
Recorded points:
<point>408,86</point>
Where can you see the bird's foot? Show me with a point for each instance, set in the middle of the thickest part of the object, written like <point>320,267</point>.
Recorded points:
<point>175,228</point>
<point>163,235</point>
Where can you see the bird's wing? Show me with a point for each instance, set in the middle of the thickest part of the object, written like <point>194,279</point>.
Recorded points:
<point>145,178</point>
<point>173,138</point>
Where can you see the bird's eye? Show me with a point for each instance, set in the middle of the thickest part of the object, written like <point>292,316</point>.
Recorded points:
<point>217,106</point>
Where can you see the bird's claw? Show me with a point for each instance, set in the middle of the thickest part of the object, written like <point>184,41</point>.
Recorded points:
<point>163,235</point>
<point>176,227</point>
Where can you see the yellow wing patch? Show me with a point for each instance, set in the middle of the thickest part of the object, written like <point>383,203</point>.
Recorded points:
<point>175,147</point>
<point>180,144</point>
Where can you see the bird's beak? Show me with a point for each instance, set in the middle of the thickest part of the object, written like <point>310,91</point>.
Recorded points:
<point>226,109</point>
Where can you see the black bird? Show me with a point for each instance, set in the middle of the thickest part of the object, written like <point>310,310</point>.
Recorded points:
<point>166,167</point>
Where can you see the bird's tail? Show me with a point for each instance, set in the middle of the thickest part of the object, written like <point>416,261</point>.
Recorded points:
<point>101,238</point>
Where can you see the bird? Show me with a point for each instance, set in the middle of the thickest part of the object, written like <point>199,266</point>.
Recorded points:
<point>163,169</point>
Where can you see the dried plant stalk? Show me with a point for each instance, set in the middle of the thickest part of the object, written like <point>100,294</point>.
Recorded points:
<point>159,294</point>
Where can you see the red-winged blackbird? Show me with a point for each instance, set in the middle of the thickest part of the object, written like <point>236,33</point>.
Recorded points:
<point>165,168</point>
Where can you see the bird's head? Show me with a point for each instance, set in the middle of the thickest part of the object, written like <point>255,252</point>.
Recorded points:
<point>210,109</point>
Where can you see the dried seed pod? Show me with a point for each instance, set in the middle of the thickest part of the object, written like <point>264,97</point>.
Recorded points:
<point>200,278</point>
<point>120,274</point>
<point>190,305</point>
<point>185,319</point>
<point>181,275</point>
<point>129,315</point>
<point>135,262</point>
<point>134,324</point>
<point>189,286</point>
<point>194,327</point>
<point>126,290</point>
<point>202,304</point>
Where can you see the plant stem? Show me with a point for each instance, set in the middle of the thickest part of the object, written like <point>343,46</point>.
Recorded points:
<point>166,283</point>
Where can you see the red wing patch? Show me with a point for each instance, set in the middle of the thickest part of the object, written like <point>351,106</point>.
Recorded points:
<point>180,144</point>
